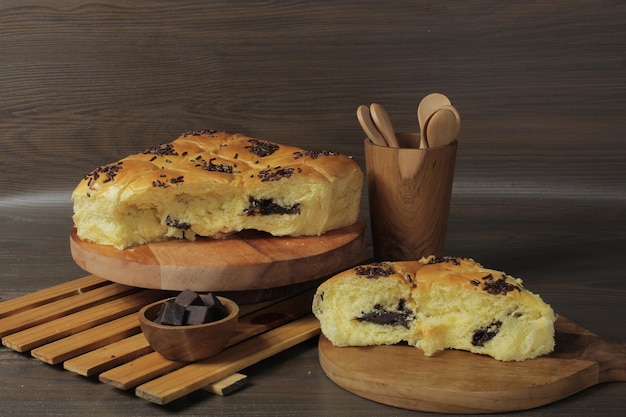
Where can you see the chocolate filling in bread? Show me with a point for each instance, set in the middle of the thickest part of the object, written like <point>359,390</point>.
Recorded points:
<point>177,223</point>
<point>401,317</point>
<point>485,334</point>
<point>267,206</point>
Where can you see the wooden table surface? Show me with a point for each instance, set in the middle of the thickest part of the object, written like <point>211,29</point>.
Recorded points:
<point>540,182</point>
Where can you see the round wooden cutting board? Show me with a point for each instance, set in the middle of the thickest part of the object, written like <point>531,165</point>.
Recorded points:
<point>459,382</point>
<point>244,261</point>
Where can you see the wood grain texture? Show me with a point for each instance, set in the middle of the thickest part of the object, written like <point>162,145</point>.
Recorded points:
<point>199,374</point>
<point>409,193</point>
<point>455,381</point>
<point>540,181</point>
<point>242,262</point>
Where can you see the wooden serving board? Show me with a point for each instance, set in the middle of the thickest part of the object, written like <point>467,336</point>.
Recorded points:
<point>244,261</point>
<point>90,326</point>
<point>460,382</point>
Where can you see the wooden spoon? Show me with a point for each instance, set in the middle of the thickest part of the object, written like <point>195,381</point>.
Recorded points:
<point>383,122</point>
<point>425,110</point>
<point>457,115</point>
<point>365,119</point>
<point>441,128</point>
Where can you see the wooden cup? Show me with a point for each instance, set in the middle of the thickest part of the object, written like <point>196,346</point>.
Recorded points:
<point>409,197</point>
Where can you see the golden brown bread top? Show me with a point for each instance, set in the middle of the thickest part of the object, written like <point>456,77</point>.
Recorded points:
<point>216,157</point>
<point>462,273</point>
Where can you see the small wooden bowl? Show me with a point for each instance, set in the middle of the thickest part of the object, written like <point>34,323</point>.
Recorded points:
<point>191,342</point>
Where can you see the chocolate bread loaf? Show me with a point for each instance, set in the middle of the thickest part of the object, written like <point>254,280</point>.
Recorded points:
<point>208,183</point>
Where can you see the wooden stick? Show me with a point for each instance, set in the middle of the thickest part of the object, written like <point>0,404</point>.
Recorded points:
<point>109,356</point>
<point>138,371</point>
<point>197,375</point>
<point>228,385</point>
<point>48,295</point>
<point>272,316</point>
<point>88,340</point>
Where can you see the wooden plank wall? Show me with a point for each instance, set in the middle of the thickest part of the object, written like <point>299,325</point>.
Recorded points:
<point>541,88</point>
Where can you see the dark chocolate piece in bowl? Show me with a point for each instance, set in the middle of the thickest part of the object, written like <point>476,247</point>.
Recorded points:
<point>199,314</point>
<point>187,298</point>
<point>213,303</point>
<point>171,313</point>
<point>189,308</point>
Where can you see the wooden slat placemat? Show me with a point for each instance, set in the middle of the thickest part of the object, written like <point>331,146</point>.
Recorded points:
<point>153,365</point>
<point>90,326</point>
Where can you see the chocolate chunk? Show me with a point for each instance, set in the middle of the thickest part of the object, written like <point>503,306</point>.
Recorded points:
<point>190,308</point>
<point>187,298</point>
<point>218,311</point>
<point>171,313</point>
<point>198,315</point>
<point>379,315</point>
<point>171,222</point>
<point>485,334</point>
<point>267,206</point>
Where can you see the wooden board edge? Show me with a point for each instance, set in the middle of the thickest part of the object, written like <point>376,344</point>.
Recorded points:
<point>119,267</point>
<point>456,402</point>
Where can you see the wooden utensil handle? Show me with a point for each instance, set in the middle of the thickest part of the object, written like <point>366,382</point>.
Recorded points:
<point>612,359</point>
<point>575,342</point>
